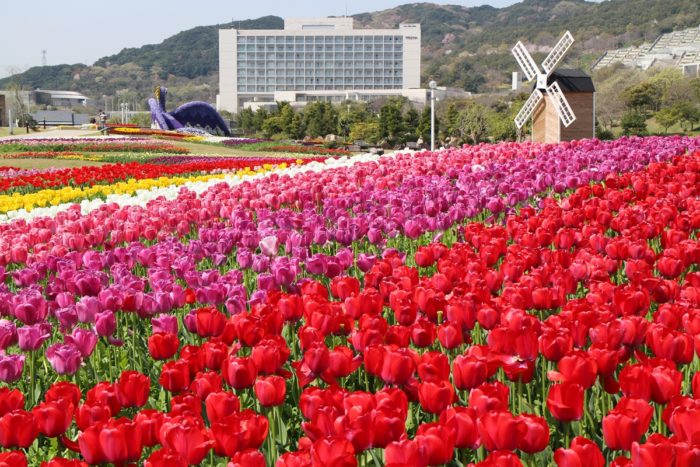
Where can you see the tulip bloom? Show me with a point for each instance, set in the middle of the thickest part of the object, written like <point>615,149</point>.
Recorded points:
<point>163,345</point>
<point>565,401</point>
<point>626,423</point>
<point>133,389</point>
<point>18,429</point>
<point>581,452</point>
<point>270,390</point>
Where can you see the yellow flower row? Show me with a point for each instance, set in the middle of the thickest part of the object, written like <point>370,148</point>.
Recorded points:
<point>63,195</point>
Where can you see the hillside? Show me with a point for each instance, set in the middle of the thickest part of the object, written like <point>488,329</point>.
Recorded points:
<point>462,47</point>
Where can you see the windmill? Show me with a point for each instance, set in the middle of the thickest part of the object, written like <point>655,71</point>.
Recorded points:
<point>552,113</point>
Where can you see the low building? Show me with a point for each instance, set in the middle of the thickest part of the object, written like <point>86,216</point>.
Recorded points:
<point>59,98</point>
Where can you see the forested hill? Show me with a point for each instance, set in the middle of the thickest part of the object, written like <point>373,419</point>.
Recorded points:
<point>462,47</point>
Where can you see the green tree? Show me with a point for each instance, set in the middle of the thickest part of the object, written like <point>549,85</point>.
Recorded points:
<point>643,97</point>
<point>688,113</point>
<point>472,123</point>
<point>365,131</point>
<point>634,123</point>
<point>667,117</point>
<point>411,121</point>
<point>424,124</point>
<point>451,120</point>
<point>259,119</point>
<point>391,125</point>
<point>320,119</point>
<point>246,121</point>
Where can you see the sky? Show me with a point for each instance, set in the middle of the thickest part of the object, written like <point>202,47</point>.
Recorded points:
<point>81,31</point>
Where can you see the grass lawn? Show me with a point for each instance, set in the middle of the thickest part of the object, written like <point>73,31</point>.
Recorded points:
<point>44,163</point>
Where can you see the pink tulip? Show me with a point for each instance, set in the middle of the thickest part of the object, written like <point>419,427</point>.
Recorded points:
<point>65,359</point>
<point>11,367</point>
<point>33,337</point>
<point>83,339</point>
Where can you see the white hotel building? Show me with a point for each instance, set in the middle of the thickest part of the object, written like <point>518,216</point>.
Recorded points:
<point>318,59</point>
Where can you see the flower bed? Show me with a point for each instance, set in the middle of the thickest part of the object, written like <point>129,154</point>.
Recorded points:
<point>17,148</point>
<point>314,317</point>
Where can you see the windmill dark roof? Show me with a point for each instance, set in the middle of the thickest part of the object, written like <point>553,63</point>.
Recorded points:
<point>572,80</point>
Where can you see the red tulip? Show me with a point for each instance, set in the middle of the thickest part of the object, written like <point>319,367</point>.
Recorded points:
<point>18,429</point>
<point>133,389</point>
<point>469,371</point>
<point>333,451</point>
<point>64,390</point>
<point>565,401</point>
<point>239,372</point>
<point>581,452</point>
<point>435,443</point>
<point>165,458</point>
<point>175,376</point>
<point>488,397</point>
<point>239,431</point>
<point>163,345</point>
<point>270,390</point>
<point>248,458</point>
<point>626,423</point>
<point>404,453</point>
<point>221,404</point>
<point>462,420</point>
<point>120,441</point>
<point>13,459</point>
<point>499,430</point>
<point>209,321</point>
<point>577,367</point>
<point>61,462</point>
<point>53,418</point>
<point>10,399</point>
<point>535,437</point>
<point>435,396</point>
<point>186,436</point>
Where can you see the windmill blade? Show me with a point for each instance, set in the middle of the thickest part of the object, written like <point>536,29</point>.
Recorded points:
<point>525,61</point>
<point>561,105</point>
<point>557,53</point>
<point>529,107</point>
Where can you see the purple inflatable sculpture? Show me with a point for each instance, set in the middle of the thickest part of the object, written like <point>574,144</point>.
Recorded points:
<point>196,114</point>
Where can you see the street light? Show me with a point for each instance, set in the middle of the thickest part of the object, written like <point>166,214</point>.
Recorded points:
<point>433,86</point>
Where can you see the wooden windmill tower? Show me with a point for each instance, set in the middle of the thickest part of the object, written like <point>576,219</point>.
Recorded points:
<point>562,104</point>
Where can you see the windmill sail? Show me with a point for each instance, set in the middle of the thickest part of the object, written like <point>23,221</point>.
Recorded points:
<point>525,61</point>
<point>557,53</point>
<point>528,108</point>
<point>561,105</point>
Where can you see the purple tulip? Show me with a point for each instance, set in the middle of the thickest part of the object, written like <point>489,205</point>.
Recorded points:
<point>67,317</point>
<point>164,323</point>
<point>8,334</point>
<point>87,308</point>
<point>83,339</point>
<point>260,263</point>
<point>65,359</point>
<point>65,299</point>
<point>105,323</point>
<point>244,258</point>
<point>11,367</point>
<point>316,264</point>
<point>33,337</point>
<point>345,257</point>
<point>266,281</point>
<point>30,306</point>
<point>190,321</point>
<point>365,261</point>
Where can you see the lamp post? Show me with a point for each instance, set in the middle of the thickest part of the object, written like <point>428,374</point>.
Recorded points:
<point>432,86</point>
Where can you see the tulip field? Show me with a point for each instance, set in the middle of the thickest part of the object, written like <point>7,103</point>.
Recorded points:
<point>495,305</point>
